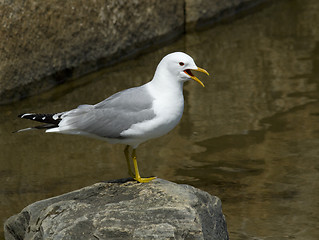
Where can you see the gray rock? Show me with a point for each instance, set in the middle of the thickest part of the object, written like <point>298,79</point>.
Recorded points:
<point>200,13</point>
<point>44,43</point>
<point>122,210</point>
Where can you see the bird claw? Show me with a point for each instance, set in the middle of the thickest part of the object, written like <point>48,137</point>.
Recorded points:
<point>144,180</point>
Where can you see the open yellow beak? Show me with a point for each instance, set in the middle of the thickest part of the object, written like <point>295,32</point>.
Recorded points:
<point>189,73</point>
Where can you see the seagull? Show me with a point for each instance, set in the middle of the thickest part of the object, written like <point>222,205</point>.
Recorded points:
<point>131,116</point>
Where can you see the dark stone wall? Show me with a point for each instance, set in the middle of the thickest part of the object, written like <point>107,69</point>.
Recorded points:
<point>56,40</point>
<point>43,43</point>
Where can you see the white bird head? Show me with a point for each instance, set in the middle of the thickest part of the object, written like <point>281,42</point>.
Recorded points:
<point>179,65</point>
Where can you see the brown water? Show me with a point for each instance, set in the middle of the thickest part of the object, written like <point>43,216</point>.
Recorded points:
<point>251,137</point>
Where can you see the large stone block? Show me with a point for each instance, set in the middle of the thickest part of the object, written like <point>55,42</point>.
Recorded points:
<point>56,40</point>
<point>43,43</point>
<point>205,12</point>
<point>123,210</point>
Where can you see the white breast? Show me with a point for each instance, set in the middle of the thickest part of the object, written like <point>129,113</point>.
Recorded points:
<point>168,107</point>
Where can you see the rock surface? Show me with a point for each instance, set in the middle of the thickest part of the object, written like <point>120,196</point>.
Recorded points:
<point>206,12</point>
<point>47,40</point>
<point>43,43</point>
<point>123,209</point>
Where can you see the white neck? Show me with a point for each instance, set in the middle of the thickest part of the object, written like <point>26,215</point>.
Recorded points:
<point>164,83</point>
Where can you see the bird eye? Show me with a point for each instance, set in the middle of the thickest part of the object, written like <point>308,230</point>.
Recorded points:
<point>181,63</point>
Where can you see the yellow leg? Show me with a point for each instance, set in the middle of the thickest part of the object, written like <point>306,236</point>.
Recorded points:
<point>126,153</point>
<point>137,174</point>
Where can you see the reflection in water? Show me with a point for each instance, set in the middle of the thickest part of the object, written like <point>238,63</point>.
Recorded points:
<point>268,177</point>
<point>250,137</point>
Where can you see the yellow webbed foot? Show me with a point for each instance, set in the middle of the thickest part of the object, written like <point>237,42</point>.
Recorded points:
<point>144,180</point>
<point>136,176</point>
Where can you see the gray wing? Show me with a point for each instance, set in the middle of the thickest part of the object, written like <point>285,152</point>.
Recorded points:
<point>113,115</point>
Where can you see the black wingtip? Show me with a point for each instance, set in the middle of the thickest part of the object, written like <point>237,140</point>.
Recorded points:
<point>27,115</point>
<point>50,118</point>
